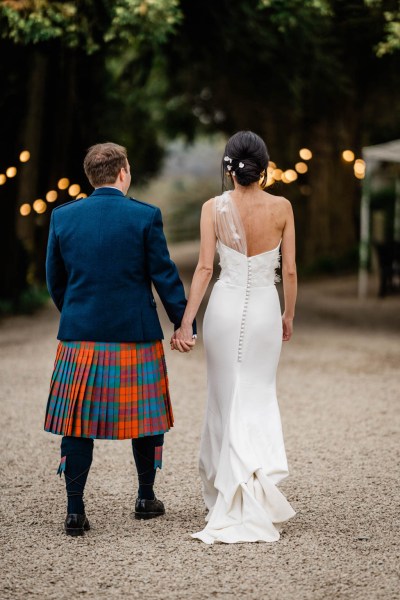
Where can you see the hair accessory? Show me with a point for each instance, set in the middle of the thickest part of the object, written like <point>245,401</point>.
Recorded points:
<point>229,167</point>
<point>241,165</point>
<point>234,173</point>
<point>227,158</point>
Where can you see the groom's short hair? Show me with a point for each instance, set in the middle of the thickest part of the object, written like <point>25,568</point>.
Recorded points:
<point>103,162</point>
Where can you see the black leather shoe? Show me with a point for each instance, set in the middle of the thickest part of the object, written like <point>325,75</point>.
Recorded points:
<point>76,524</point>
<point>148,509</point>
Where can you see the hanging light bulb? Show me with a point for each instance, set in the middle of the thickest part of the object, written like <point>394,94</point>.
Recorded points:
<point>290,175</point>
<point>39,206</point>
<point>25,209</point>
<point>24,156</point>
<point>11,172</point>
<point>74,189</point>
<point>51,196</point>
<point>305,154</point>
<point>301,167</point>
<point>348,155</point>
<point>63,183</point>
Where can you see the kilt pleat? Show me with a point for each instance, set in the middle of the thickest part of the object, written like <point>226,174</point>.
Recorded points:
<point>61,414</point>
<point>60,407</point>
<point>109,390</point>
<point>95,395</point>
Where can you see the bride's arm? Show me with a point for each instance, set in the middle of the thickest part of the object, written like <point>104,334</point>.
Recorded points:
<point>289,274</point>
<point>182,339</point>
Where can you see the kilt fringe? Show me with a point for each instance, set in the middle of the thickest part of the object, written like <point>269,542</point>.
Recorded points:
<point>109,391</point>
<point>62,466</point>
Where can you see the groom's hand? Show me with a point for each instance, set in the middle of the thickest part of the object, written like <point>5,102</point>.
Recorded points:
<point>182,339</point>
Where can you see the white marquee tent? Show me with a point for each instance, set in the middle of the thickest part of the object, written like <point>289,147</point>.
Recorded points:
<point>373,156</point>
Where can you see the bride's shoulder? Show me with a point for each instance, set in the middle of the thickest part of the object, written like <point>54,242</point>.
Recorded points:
<point>280,201</point>
<point>216,201</point>
<point>210,204</point>
<point>207,210</point>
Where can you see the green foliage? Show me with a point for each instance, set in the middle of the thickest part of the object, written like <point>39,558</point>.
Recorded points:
<point>391,43</point>
<point>89,24</point>
<point>137,21</point>
<point>28,302</point>
<point>41,21</point>
<point>286,14</point>
<point>391,39</point>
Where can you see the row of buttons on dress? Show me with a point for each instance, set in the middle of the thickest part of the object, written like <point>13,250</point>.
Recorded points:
<point>245,306</point>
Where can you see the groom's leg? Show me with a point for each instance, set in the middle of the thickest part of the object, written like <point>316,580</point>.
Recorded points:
<point>147,453</point>
<point>76,459</point>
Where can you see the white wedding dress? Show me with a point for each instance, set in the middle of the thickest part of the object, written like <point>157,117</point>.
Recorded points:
<point>242,455</point>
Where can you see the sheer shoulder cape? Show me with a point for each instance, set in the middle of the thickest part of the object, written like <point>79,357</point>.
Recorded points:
<point>228,224</point>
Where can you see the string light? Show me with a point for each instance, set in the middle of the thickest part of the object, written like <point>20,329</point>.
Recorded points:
<point>25,209</point>
<point>24,156</point>
<point>359,168</point>
<point>74,189</point>
<point>359,164</point>
<point>301,167</point>
<point>11,172</point>
<point>3,178</point>
<point>274,174</point>
<point>63,183</point>
<point>39,206</point>
<point>51,196</point>
<point>348,155</point>
<point>305,154</point>
<point>290,175</point>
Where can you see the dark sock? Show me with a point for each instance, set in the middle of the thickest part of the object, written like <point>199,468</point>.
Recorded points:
<point>76,458</point>
<point>147,455</point>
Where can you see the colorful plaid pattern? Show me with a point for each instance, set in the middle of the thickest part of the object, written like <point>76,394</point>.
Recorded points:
<point>110,391</point>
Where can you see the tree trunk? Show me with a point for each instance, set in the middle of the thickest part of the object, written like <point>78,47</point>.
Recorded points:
<point>331,229</point>
<point>31,138</point>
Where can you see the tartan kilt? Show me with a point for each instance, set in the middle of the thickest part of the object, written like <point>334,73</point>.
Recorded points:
<point>110,391</point>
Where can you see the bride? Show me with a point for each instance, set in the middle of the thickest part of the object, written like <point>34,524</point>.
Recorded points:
<point>242,455</point>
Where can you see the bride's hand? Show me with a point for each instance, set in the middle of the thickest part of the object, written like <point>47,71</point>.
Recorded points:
<point>182,339</point>
<point>287,326</point>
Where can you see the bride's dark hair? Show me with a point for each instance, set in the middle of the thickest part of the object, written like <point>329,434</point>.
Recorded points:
<point>248,149</point>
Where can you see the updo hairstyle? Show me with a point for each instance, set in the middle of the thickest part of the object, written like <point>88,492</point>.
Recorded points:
<point>246,157</point>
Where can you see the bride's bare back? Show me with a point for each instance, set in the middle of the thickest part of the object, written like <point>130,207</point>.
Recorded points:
<point>264,217</point>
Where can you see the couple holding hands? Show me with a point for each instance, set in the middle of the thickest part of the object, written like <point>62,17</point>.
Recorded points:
<point>105,253</point>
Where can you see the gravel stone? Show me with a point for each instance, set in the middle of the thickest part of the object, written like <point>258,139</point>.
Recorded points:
<point>338,390</point>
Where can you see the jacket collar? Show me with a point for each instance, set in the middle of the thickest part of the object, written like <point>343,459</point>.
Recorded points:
<point>107,191</point>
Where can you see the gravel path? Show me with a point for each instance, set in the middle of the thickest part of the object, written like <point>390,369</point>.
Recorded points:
<point>339,392</point>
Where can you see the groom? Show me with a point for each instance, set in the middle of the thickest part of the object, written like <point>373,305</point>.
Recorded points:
<point>109,380</point>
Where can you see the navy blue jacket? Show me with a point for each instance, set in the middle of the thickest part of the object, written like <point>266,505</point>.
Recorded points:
<point>103,254</point>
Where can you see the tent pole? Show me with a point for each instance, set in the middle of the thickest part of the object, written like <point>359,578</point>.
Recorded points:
<point>396,231</point>
<point>364,237</point>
